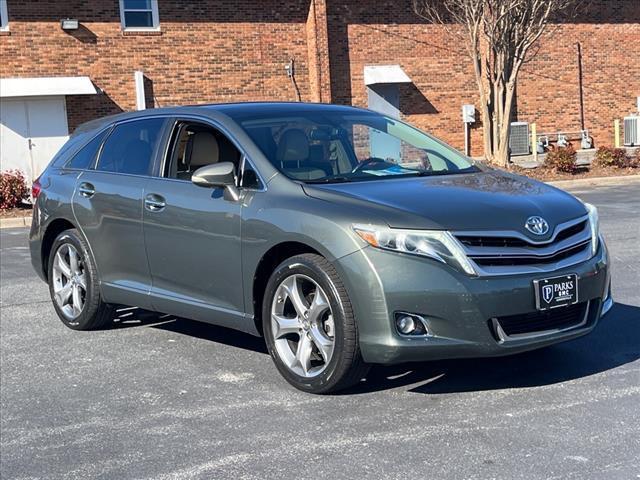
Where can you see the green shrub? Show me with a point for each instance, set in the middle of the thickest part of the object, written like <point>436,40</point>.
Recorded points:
<point>13,189</point>
<point>561,160</point>
<point>611,157</point>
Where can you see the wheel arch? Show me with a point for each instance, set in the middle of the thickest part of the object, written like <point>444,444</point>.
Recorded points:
<point>53,229</point>
<point>267,264</point>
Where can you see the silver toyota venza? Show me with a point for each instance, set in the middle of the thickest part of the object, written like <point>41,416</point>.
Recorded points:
<point>343,236</point>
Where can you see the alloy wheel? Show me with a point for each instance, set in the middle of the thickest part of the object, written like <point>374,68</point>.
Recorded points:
<point>302,325</point>
<point>69,281</point>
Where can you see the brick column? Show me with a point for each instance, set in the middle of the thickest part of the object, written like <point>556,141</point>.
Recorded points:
<point>318,52</point>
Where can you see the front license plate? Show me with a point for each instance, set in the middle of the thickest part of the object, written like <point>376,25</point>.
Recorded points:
<point>556,291</point>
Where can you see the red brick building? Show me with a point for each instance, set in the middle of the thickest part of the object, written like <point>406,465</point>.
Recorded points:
<point>201,51</point>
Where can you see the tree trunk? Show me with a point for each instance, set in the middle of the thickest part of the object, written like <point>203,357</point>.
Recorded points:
<point>502,156</point>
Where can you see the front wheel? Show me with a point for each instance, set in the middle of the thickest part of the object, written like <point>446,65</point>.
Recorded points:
<point>309,326</point>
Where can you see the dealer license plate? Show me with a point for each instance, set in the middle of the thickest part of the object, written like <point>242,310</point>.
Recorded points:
<point>556,291</point>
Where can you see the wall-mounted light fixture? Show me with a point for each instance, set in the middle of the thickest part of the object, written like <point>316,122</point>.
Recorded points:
<point>69,24</point>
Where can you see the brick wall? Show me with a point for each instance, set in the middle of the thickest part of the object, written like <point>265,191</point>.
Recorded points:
<point>224,50</point>
<point>386,32</point>
<point>207,51</point>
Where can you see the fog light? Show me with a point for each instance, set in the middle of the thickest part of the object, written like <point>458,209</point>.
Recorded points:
<point>406,324</point>
<point>410,324</point>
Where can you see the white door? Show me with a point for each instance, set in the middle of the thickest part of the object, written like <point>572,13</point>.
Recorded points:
<point>31,132</point>
<point>14,132</point>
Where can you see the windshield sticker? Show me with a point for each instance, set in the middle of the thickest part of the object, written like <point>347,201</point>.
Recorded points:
<point>394,170</point>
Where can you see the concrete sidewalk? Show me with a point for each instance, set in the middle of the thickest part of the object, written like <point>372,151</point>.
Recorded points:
<point>15,222</point>
<point>579,182</point>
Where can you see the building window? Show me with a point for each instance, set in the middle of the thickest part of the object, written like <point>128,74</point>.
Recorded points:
<point>139,14</point>
<point>4,17</point>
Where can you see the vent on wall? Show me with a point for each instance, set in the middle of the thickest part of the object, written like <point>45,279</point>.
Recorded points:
<point>519,139</point>
<point>632,131</point>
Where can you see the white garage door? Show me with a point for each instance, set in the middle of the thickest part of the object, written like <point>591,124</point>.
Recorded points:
<point>31,132</point>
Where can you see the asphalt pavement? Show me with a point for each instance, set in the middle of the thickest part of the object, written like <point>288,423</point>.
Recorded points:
<point>159,397</point>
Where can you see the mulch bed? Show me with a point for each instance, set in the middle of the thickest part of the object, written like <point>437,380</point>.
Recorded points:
<point>19,212</point>
<point>547,174</point>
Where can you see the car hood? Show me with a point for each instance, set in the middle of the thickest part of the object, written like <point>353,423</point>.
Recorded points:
<point>487,200</point>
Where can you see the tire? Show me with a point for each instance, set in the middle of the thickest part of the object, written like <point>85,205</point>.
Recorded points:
<point>77,283</point>
<point>304,330</point>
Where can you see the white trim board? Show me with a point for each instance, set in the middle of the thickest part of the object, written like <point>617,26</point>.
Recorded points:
<point>46,86</point>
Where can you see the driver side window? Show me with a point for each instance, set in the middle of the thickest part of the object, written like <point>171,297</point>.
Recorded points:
<point>194,145</point>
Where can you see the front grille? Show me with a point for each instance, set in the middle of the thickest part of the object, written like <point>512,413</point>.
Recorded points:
<point>480,241</point>
<point>555,319</point>
<point>507,253</point>
<point>528,260</point>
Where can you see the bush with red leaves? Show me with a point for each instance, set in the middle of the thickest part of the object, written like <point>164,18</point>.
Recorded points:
<point>13,189</point>
<point>611,157</point>
<point>562,160</point>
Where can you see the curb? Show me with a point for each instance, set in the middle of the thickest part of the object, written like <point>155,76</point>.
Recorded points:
<point>599,181</point>
<point>17,222</point>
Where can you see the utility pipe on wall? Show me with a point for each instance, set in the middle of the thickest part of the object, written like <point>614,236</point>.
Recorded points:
<point>580,87</point>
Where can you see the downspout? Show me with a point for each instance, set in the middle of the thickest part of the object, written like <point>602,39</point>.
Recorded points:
<point>313,40</point>
<point>580,86</point>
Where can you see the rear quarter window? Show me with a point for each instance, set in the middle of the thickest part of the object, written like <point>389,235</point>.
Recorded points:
<point>131,146</point>
<point>87,154</point>
<point>62,156</point>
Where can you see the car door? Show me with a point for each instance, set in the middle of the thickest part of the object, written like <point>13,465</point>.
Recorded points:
<point>108,204</point>
<point>192,234</point>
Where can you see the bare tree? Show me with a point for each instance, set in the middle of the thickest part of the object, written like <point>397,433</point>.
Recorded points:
<point>499,36</point>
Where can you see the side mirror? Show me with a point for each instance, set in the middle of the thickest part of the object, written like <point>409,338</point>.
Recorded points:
<point>221,174</point>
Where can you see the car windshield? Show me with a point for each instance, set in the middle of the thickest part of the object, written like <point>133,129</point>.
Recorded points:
<point>325,146</point>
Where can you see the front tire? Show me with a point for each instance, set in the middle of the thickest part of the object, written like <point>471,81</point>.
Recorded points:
<point>309,326</point>
<point>73,284</point>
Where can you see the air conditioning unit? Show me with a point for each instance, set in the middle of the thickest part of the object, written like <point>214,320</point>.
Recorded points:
<point>519,139</point>
<point>632,131</point>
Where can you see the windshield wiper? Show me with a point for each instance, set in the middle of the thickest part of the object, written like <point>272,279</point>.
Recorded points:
<point>330,180</point>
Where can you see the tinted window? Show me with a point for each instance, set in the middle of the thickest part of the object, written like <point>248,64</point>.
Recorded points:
<point>130,147</point>
<point>85,157</point>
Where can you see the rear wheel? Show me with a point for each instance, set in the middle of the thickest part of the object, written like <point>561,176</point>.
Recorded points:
<point>309,326</point>
<point>73,284</point>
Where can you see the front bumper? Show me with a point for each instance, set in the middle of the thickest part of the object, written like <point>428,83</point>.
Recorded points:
<point>460,309</point>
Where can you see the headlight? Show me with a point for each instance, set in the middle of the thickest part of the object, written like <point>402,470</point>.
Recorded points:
<point>594,225</point>
<point>439,245</point>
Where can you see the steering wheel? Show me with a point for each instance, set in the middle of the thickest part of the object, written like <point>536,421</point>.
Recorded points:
<point>368,161</point>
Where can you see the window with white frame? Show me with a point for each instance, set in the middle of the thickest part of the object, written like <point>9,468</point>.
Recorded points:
<point>139,14</point>
<point>4,17</point>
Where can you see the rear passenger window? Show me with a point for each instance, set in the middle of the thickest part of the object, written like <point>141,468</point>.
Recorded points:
<point>87,154</point>
<point>130,147</point>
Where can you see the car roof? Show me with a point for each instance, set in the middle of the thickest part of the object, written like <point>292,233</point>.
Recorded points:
<point>240,109</point>
<point>280,107</point>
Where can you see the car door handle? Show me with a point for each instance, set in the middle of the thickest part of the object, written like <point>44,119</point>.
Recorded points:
<point>86,190</point>
<point>154,203</point>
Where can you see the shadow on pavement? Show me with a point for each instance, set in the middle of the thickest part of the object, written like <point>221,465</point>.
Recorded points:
<point>614,342</point>
<point>214,333</point>
<point>130,317</point>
